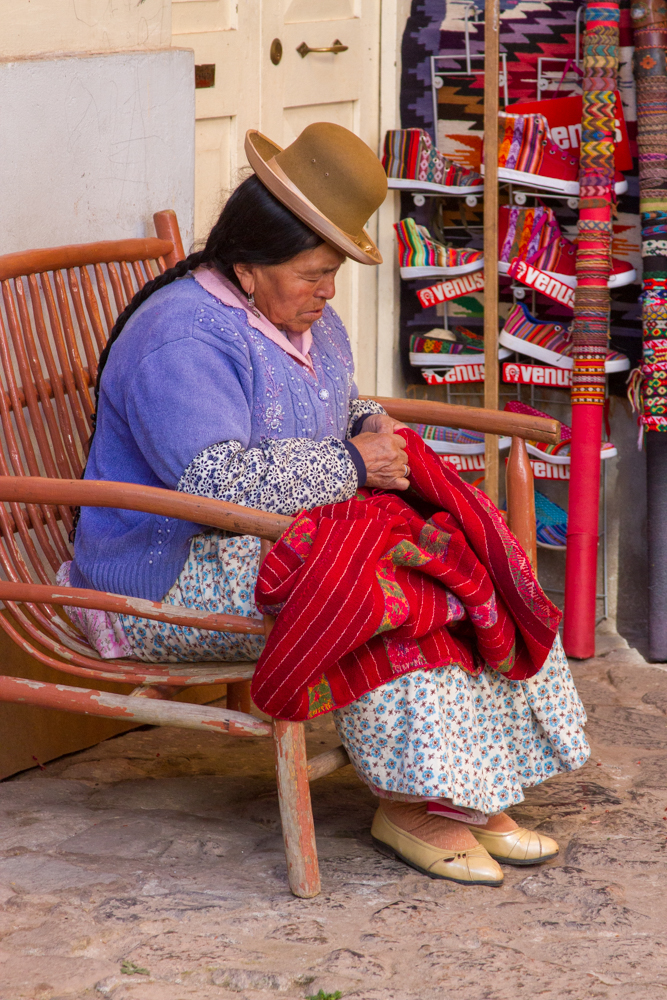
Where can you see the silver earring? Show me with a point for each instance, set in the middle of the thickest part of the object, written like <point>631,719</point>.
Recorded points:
<point>251,304</point>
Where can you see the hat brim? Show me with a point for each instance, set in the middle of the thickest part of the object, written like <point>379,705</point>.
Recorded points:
<point>261,153</point>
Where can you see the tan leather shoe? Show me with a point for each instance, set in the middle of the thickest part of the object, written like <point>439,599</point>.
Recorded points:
<point>471,867</point>
<point>516,847</point>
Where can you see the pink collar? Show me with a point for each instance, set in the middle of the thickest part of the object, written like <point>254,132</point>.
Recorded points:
<point>296,344</point>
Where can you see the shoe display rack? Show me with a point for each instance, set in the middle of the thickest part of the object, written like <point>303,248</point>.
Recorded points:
<point>444,262</point>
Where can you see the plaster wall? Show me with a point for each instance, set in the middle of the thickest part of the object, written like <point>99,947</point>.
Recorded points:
<point>35,27</point>
<point>92,145</point>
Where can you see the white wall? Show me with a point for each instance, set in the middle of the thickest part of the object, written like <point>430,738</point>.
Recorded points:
<point>91,146</point>
<point>35,27</point>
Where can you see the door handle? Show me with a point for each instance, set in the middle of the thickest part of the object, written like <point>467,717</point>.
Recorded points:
<point>337,47</point>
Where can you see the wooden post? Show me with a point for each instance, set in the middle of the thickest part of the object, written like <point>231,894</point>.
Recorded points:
<point>521,499</point>
<point>166,227</point>
<point>491,85</point>
<point>296,812</point>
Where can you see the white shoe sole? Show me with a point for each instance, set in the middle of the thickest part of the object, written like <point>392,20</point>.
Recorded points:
<point>605,453</point>
<point>452,448</point>
<point>548,183</point>
<point>552,357</point>
<point>441,272</point>
<point>449,360</point>
<point>615,280</point>
<point>403,184</point>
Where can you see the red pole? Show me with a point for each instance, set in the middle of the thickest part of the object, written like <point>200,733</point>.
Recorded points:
<point>590,330</point>
<point>581,559</point>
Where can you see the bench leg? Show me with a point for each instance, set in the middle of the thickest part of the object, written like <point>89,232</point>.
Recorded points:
<point>295,809</point>
<point>238,697</point>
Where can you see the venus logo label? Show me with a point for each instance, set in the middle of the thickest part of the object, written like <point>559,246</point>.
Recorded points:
<point>444,291</point>
<point>537,375</point>
<point>475,463</point>
<point>457,373</point>
<point>542,282</point>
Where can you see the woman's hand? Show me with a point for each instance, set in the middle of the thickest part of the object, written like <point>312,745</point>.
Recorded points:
<point>384,456</point>
<point>381,423</point>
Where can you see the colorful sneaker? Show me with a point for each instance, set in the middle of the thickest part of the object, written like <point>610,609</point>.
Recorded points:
<point>449,441</point>
<point>549,342</point>
<point>528,155</point>
<point>412,162</point>
<point>467,349</point>
<point>420,256</point>
<point>556,454</point>
<point>533,235</point>
<point>550,522</point>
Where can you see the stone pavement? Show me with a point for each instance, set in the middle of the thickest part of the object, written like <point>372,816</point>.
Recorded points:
<point>160,852</point>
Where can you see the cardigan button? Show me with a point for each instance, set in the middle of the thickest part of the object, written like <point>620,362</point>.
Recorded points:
<point>323,394</point>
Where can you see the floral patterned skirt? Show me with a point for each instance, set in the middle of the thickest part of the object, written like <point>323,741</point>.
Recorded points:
<point>476,741</point>
<point>430,734</point>
<point>219,576</point>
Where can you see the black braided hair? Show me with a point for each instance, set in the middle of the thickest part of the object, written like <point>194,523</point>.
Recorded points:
<point>178,271</point>
<point>253,228</point>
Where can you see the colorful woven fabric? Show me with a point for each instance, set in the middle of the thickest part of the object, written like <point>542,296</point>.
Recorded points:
<point>557,453</point>
<point>649,386</point>
<point>523,332</point>
<point>521,140</point>
<point>466,342</point>
<point>516,406</point>
<point>550,342</point>
<point>590,329</point>
<point>452,435</point>
<point>417,248</point>
<point>409,154</point>
<point>551,522</point>
<point>361,593</point>
<point>531,234</point>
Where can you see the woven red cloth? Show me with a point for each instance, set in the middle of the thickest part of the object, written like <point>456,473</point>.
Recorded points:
<point>372,588</point>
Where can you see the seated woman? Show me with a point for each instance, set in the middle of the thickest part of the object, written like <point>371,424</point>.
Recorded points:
<point>230,376</point>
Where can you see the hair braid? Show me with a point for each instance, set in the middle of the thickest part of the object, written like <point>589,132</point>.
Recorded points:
<point>171,274</point>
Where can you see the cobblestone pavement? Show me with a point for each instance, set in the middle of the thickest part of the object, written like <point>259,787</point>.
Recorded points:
<point>160,852</point>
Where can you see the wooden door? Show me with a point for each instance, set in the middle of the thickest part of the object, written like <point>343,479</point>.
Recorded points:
<point>251,91</point>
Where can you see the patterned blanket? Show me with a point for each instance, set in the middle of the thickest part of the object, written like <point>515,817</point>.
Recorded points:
<point>375,587</point>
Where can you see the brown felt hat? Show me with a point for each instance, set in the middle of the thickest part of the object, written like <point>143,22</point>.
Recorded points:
<point>330,179</point>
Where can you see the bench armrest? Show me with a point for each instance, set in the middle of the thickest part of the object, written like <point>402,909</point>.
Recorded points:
<point>149,499</point>
<point>472,418</point>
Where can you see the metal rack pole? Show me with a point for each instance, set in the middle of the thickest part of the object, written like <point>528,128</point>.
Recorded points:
<point>491,85</point>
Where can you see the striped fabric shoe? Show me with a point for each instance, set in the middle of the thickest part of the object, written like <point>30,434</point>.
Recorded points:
<point>449,441</point>
<point>412,162</point>
<point>533,235</point>
<point>551,523</point>
<point>468,347</point>
<point>556,454</point>
<point>549,342</point>
<point>420,256</point>
<point>528,155</point>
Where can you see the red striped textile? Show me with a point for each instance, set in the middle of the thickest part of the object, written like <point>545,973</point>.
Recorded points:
<point>374,587</point>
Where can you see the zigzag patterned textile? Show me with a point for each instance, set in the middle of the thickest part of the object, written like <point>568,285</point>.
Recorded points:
<point>650,31</point>
<point>590,330</point>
